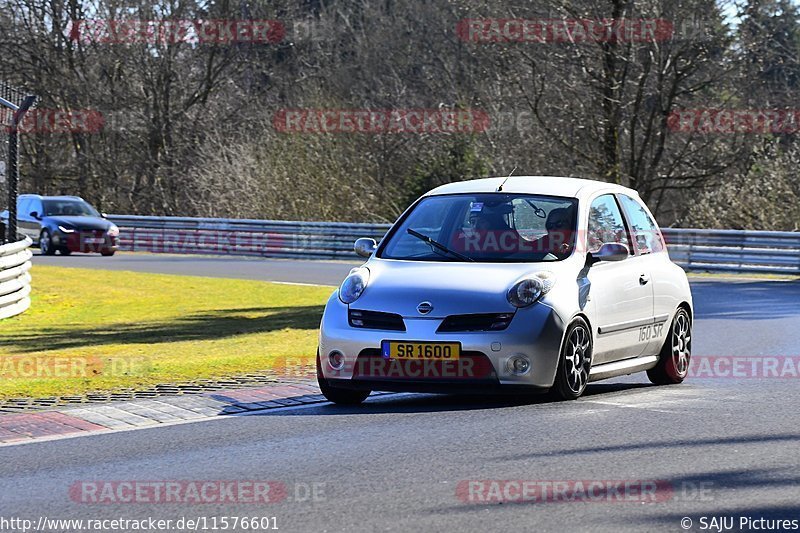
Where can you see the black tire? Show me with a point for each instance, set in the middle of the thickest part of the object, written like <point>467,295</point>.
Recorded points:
<point>339,396</point>
<point>673,363</point>
<point>574,362</point>
<point>46,243</point>
<point>108,254</point>
<point>65,251</point>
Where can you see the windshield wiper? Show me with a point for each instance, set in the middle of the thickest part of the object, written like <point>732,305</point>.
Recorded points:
<point>438,245</point>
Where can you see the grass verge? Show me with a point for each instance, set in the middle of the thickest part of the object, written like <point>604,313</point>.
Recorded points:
<point>92,330</point>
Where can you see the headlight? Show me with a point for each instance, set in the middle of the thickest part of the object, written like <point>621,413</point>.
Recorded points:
<point>113,231</point>
<point>529,290</point>
<point>66,230</point>
<point>354,285</point>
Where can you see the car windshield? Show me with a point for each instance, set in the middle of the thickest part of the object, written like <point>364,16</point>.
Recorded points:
<point>486,227</point>
<point>73,208</point>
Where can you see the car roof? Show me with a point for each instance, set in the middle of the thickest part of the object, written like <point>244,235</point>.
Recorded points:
<point>62,197</point>
<point>549,185</point>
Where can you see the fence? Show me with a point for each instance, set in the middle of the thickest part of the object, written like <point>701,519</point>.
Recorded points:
<point>15,282</point>
<point>694,249</point>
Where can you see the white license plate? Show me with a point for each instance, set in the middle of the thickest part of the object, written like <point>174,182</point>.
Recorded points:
<point>94,240</point>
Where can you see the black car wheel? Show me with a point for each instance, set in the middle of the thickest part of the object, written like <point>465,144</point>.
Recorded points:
<point>46,243</point>
<point>575,362</point>
<point>673,363</point>
<point>65,251</point>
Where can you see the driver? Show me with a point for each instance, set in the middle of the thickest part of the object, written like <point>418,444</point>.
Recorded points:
<point>558,239</point>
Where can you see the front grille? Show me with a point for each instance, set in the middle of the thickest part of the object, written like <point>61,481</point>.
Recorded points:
<point>375,320</point>
<point>475,322</point>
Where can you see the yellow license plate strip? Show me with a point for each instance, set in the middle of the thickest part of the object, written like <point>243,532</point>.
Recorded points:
<point>428,351</point>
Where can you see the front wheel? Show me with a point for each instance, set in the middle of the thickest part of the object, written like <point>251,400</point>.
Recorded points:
<point>574,362</point>
<point>107,253</point>
<point>336,395</point>
<point>673,363</point>
<point>46,243</point>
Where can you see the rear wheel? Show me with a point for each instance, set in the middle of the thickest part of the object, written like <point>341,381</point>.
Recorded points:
<point>65,251</point>
<point>107,253</point>
<point>673,363</point>
<point>46,243</point>
<point>336,395</point>
<point>575,362</point>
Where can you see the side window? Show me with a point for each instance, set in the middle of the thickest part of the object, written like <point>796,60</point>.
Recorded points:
<point>648,238</point>
<point>605,224</point>
<point>23,207</point>
<point>36,205</point>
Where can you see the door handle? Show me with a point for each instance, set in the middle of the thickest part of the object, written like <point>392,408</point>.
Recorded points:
<point>643,279</point>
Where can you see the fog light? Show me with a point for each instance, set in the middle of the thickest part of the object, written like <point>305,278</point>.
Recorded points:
<point>336,360</point>
<point>519,365</point>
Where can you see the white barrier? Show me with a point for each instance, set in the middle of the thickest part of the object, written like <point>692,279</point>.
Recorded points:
<point>15,281</point>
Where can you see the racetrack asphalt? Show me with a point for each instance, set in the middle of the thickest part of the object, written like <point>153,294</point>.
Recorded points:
<point>724,446</point>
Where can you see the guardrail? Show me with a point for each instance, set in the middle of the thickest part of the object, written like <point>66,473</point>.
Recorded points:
<point>15,281</point>
<point>693,249</point>
<point>735,250</point>
<point>265,238</point>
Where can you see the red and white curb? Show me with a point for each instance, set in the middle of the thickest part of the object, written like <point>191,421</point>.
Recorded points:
<point>17,428</point>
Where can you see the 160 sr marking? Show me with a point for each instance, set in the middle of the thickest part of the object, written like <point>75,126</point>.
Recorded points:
<point>653,331</point>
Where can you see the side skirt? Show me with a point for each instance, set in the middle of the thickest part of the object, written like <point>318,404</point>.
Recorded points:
<point>621,368</point>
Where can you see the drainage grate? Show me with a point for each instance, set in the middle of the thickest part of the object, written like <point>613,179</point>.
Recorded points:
<point>17,405</point>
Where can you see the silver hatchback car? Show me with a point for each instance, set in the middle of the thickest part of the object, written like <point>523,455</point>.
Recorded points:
<point>520,284</point>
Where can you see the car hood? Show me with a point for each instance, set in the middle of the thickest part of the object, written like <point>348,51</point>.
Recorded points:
<point>451,288</point>
<point>82,223</point>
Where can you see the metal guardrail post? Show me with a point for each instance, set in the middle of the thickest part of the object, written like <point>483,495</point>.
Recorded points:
<point>689,252</point>
<point>19,111</point>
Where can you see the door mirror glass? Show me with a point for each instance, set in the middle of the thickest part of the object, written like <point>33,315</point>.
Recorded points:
<point>365,246</point>
<point>35,215</point>
<point>611,251</point>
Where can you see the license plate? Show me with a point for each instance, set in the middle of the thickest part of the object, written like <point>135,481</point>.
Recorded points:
<point>433,351</point>
<point>94,240</point>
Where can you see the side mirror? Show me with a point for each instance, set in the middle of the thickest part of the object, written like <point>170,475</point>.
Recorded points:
<point>35,215</point>
<point>611,251</point>
<point>365,246</point>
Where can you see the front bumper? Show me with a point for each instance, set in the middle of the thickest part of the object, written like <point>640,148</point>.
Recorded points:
<point>535,332</point>
<point>86,241</point>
